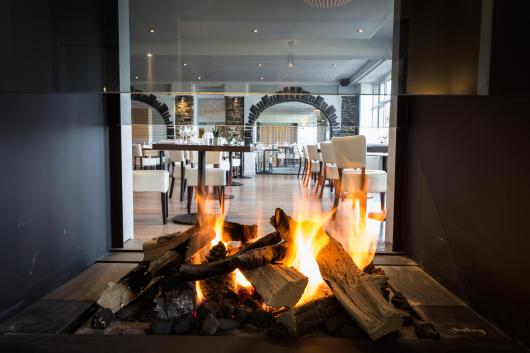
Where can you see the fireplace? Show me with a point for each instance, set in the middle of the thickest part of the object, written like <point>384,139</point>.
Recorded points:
<point>308,277</point>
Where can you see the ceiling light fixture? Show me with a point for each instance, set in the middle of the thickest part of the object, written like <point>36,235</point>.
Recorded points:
<point>260,65</point>
<point>149,55</point>
<point>255,30</point>
<point>151,30</point>
<point>290,55</point>
<point>199,78</point>
<point>136,77</point>
<point>334,65</point>
<point>360,30</point>
<point>326,4</point>
<point>261,78</point>
<point>184,64</point>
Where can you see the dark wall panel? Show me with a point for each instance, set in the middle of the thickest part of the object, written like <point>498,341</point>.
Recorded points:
<point>464,202</point>
<point>54,206</point>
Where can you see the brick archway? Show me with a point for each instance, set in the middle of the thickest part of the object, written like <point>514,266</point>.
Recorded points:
<point>291,94</point>
<point>161,108</point>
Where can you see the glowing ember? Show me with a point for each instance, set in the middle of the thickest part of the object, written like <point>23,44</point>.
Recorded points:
<point>200,296</point>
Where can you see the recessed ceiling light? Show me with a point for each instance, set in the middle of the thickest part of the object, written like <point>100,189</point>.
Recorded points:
<point>151,30</point>
<point>199,78</point>
<point>149,55</point>
<point>255,30</point>
<point>136,77</point>
<point>184,64</point>
<point>360,30</point>
<point>261,78</point>
<point>260,65</point>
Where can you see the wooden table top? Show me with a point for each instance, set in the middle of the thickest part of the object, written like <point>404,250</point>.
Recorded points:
<point>189,147</point>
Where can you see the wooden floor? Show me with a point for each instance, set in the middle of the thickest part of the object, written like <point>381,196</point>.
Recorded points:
<point>254,203</point>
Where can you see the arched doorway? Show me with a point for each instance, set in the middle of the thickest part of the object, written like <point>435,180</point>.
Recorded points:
<point>161,108</point>
<point>291,94</point>
<point>292,123</point>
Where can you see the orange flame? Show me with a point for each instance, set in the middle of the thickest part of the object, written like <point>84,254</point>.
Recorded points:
<point>307,243</point>
<point>362,235</point>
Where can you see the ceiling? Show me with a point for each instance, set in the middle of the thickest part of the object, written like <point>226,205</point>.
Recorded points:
<point>215,40</point>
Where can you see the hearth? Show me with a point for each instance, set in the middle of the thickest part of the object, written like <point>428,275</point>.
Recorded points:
<point>223,278</point>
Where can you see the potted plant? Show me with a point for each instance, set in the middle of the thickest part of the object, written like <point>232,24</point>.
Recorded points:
<point>216,132</point>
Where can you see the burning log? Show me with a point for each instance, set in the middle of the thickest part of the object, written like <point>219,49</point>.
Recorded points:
<point>245,259</point>
<point>277,284</point>
<point>145,275</point>
<point>239,232</point>
<point>360,295</point>
<point>156,247</point>
<point>310,316</point>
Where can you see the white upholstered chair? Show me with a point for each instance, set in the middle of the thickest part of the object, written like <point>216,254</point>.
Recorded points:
<point>153,181</point>
<point>329,170</point>
<point>312,163</point>
<point>349,153</point>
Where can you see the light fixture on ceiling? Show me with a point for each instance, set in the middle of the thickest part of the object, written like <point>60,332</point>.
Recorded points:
<point>360,30</point>
<point>151,30</point>
<point>326,4</point>
<point>261,78</point>
<point>184,64</point>
<point>290,55</point>
<point>149,55</point>
<point>255,30</point>
<point>334,65</point>
<point>136,77</point>
<point>260,65</point>
<point>199,78</point>
<point>235,99</point>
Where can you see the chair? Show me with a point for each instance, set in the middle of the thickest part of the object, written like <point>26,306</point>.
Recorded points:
<point>177,162</point>
<point>349,153</point>
<point>329,169</point>
<point>144,158</point>
<point>215,176</point>
<point>312,163</point>
<point>153,181</point>
<point>302,160</point>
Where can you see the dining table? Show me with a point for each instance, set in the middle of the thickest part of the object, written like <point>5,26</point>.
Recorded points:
<point>193,218</point>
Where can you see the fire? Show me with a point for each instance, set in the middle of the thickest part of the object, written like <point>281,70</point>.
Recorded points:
<point>200,296</point>
<point>307,243</point>
<point>362,235</point>
<point>218,226</point>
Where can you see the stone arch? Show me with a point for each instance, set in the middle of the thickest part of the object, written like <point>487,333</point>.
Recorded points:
<point>152,101</point>
<point>291,94</point>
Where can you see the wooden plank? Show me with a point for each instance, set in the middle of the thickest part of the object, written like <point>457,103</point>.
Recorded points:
<point>419,287</point>
<point>393,260</point>
<point>66,307</point>
<point>123,257</point>
<point>89,284</point>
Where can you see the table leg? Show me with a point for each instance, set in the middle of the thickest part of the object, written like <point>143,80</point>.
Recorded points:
<point>161,158</point>
<point>242,168</point>
<point>230,181</point>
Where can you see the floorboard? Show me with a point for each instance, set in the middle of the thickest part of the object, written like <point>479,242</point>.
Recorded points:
<point>254,203</point>
<point>66,307</point>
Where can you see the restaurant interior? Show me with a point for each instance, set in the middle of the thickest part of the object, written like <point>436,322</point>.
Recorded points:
<point>279,175</point>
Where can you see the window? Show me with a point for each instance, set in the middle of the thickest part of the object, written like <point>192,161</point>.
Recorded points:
<point>381,103</point>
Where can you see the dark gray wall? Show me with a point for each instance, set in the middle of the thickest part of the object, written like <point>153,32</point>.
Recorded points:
<point>462,171</point>
<point>54,205</point>
<point>465,200</point>
<point>55,189</point>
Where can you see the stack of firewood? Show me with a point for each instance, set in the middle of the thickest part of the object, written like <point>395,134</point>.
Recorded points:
<point>165,284</point>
